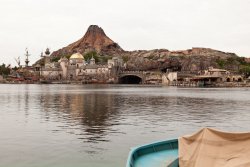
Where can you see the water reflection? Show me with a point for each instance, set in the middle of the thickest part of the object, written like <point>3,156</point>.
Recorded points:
<point>85,125</point>
<point>96,113</point>
<point>92,111</point>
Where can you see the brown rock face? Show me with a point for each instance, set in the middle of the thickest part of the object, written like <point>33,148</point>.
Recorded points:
<point>94,39</point>
<point>191,60</point>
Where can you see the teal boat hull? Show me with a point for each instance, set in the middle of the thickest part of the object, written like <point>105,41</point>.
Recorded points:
<point>159,154</point>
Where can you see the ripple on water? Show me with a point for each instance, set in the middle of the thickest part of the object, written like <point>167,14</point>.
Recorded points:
<point>55,125</point>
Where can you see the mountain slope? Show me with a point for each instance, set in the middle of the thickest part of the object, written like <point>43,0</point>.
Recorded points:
<point>94,39</point>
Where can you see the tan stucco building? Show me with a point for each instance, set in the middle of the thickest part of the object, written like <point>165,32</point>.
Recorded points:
<point>76,68</point>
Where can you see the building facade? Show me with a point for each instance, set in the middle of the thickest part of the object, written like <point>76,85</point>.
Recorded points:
<point>76,68</point>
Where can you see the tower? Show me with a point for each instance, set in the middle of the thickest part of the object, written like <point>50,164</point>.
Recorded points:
<point>46,56</point>
<point>47,52</point>
<point>27,58</point>
<point>92,61</point>
<point>64,66</point>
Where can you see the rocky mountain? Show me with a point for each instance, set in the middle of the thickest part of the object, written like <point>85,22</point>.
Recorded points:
<point>191,60</point>
<point>94,39</point>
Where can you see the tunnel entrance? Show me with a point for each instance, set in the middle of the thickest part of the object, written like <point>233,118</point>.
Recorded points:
<point>130,79</point>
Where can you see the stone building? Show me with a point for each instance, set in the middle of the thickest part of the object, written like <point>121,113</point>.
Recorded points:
<point>220,75</point>
<point>76,68</point>
<point>210,77</point>
<point>214,76</point>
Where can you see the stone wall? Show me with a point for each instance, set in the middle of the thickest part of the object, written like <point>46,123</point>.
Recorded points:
<point>169,78</point>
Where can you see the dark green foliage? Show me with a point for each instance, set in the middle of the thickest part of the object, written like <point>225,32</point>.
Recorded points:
<point>151,57</point>
<point>4,70</point>
<point>104,59</point>
<point>91,54</point>
<point>67,56</point>
<point>55,59</point>
<point>242,61</point>
<point>221,63</point>
<point>245,69</point>
<point>125,59</point>
<point>15,68</point>
<point>231,61</point>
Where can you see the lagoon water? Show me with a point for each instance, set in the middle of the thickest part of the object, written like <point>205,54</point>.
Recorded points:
<point>96,125</point>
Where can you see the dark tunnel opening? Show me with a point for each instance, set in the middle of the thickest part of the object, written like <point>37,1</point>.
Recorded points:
<point>130,79</point>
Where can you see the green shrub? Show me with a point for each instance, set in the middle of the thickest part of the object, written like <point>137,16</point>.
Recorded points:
<point>104,59</point>
<point>150,57</point>
<point>4,70</point>
<point>245,69</point>
<point>91,54</point>
<point>125,59</point>
<point>67,56</point>
<point>55,59</point>
<point>221,63</point>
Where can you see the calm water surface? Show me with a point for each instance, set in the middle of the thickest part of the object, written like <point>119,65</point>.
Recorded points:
<point>96,125</point>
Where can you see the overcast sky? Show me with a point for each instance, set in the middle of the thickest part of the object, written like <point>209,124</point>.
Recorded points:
<point>133,24</point>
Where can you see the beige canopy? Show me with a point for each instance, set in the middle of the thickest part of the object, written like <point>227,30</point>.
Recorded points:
<point>212,148</point>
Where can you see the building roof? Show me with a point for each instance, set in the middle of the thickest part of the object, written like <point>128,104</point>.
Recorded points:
<point>93,59</point>
<point>216,69</point>
<point>91,66</point>
<point>77,56</point>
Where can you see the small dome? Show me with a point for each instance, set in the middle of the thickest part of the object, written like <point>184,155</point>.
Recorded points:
<point>77,56</point>
<point>47,52</point>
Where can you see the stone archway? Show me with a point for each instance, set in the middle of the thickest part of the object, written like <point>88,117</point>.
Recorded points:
<point>130,79</point>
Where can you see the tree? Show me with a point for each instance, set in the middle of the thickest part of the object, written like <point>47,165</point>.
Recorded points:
<point>245,69</point>
<point>4,70</point>
<point>91,54</point>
